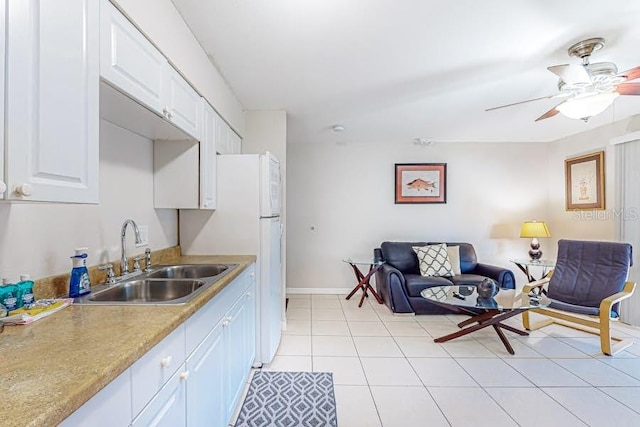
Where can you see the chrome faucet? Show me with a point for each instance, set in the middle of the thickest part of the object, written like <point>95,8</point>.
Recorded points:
<point>124,264</point>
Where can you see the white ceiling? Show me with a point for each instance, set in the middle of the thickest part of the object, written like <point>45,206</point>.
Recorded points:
<point>394,70</point>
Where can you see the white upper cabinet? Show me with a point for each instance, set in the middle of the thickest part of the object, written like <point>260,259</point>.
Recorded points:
<point>184,171</point>
<point>130,63</point>
<point>208,158</point>
<point>227,141</point>
<point>52,81</point>
<point>182,103</point>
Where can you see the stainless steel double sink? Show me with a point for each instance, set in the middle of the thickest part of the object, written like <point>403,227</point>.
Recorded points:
<point>168,284</point>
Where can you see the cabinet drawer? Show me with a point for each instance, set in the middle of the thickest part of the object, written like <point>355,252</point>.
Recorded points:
<point>203,321</point>
<point>153,370</point>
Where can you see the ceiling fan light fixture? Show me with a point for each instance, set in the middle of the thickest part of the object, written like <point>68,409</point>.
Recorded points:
<point>587,106</point>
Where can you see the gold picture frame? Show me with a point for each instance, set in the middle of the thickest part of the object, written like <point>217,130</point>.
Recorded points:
<point>584,182</point>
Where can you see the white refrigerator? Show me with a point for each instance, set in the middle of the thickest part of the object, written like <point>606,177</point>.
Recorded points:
<point>246,222</point>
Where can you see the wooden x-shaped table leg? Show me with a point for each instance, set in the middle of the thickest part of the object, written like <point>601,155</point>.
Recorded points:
<point>363,282</point>
<point>488,318</point>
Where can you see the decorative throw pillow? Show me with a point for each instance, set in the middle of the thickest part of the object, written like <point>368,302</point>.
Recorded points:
<point>433,260</point>
<point>454,259</point>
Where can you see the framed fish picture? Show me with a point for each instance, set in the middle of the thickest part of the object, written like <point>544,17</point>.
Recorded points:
<point>421,183</point>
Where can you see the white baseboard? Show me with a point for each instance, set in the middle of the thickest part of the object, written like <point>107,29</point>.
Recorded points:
<point>320,291</point>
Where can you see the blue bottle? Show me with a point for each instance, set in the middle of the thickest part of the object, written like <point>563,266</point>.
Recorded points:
<point>8,292</point>
<point>79,283</point>
<point>25,290</point>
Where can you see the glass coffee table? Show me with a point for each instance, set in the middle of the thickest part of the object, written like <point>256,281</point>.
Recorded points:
<point>484,312</point>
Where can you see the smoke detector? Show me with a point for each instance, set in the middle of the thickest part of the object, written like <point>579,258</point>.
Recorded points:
<point>423,142</point>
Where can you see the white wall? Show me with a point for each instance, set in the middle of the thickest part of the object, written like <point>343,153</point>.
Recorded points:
<point>39,238</point>
<point>589,224</point>
<point>341,203</point>
<point>163,24</point>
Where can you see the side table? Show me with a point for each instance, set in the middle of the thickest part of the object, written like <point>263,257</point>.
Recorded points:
<point>363,280</point>
<point>524,264</point>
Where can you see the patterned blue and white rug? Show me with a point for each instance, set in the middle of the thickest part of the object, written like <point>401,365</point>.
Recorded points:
<point>289,399</point>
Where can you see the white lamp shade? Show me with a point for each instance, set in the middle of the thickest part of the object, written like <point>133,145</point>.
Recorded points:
<point>586,106</point>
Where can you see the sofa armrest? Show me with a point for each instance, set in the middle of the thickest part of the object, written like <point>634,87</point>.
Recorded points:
<point>503,276</point>
<point>391,286</point>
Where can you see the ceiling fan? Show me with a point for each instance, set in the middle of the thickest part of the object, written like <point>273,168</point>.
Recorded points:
<point>589,88</point>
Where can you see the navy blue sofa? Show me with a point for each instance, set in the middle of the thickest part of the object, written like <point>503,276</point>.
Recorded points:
<point>399,282</point>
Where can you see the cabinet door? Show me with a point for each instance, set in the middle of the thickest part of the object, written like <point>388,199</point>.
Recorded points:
<point>208,158</point>
<point>235,142</point>
<point>250,334</point>
<point>237,336</point>
<point>52,100</point>
<point>168,407</point>
<point>182,106</point>
<point>110,407</point>
<point>206,385</point>
<point>129,61</point>
<point>222,136</point>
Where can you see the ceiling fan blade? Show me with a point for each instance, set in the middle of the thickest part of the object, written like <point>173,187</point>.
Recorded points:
<point>631,74</point>
<point>521,102</point>
<point>571,73</point>
<point>549,113</point>
<point>628,89</point>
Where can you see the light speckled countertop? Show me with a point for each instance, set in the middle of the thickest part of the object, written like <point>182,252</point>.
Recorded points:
<point>51,367</point>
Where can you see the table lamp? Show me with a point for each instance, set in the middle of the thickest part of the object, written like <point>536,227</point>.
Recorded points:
<point>533,230</point>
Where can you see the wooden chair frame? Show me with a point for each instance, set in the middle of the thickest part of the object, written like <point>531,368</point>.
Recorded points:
<point>597,325</point>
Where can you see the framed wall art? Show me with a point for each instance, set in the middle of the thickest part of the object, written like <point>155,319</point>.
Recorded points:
<point>584,182</point>
<point>421,183</point>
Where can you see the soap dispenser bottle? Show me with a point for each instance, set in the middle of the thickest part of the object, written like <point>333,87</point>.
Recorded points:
<point>8,293</point>
<point>25,287</point>
<point>79,283</point>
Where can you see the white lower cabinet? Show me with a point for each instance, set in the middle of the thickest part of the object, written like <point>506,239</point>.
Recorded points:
<point>240,346</point>
<point>167,408</point>
<point>220,366</point>
<point>205,388</point>
<point>193,377</point>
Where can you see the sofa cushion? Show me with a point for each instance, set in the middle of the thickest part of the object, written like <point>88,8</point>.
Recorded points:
<point>454,258</point>
<point>468,258</point>
<point>401,255</point>
<point>433,260</point>
<point>415,283</point>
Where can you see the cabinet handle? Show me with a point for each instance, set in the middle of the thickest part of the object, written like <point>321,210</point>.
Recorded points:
<point>165,111</point>
<point>166,362</point>
<point>170,115</point>
<point>184,376</point>
<point>248,294</point>
<point>225,323</point>
<point>252,274</point>
<point>25,190</point>
<point>3,187</point>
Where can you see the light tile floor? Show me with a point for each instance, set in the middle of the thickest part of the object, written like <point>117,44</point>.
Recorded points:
<point>389,372</point>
